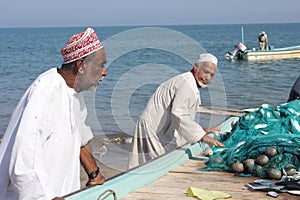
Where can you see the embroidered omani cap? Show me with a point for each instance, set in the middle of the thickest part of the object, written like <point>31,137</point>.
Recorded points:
<point>81,45</point>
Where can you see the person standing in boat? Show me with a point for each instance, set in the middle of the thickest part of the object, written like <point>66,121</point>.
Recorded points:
<point>168,121</point>
<point>263,41</point>
<point>295,91</point>
<point>47,136</point>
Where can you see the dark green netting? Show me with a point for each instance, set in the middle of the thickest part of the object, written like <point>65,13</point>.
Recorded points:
<point>254,134</point>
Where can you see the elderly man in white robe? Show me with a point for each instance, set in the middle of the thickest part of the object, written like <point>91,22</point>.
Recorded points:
<point>168,120</point>
<point>47,137</point>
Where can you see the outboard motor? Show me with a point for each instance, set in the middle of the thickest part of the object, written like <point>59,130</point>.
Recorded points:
<point>238,52</point>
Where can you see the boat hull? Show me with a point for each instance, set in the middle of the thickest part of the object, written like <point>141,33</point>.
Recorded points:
<point>138,177</point>
<point>272,55</point>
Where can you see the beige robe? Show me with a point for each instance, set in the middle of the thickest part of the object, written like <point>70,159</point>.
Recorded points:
<point>168,120</point>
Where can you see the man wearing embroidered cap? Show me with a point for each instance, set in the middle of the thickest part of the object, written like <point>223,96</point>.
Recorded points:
<point>47,137</point>
<point>168,120</point>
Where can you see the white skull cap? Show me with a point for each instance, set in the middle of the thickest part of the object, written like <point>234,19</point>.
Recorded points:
<point>207,57</point>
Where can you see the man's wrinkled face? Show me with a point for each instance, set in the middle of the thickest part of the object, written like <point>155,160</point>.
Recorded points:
<point>94,70</point>
<point>205,73</point>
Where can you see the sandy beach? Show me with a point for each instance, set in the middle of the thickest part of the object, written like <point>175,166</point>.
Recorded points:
<point>114,160</point>
<point>105,170</point>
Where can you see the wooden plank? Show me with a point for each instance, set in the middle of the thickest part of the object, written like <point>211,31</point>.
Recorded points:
<point>140,176</point>
<point>174,184</point>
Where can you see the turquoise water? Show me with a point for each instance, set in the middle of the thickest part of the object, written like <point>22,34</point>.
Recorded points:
<point>134,75</point>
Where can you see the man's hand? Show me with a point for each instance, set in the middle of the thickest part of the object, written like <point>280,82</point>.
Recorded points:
<point>99,179</point>
<point>89,164</point>
<point>211,141</point>
<point>214,130</point>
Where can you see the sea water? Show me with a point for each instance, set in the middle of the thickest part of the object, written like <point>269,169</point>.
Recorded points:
<point>140,58</point>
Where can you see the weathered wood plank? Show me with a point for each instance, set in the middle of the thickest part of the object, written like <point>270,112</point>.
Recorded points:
<point>174,184</point>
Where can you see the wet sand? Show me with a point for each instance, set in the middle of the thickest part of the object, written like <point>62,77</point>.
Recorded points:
<point>114,160</point>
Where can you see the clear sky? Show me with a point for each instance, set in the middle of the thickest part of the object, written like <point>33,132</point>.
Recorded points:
<point>49,13</point>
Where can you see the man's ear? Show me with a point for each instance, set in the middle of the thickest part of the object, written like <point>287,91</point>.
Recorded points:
<point>79,66</point>
<point>195,68</point>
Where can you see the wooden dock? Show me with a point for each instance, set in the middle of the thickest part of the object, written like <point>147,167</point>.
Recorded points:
<point>174,184</point>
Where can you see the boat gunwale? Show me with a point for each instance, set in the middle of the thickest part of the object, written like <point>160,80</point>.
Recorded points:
<point>138,177</point>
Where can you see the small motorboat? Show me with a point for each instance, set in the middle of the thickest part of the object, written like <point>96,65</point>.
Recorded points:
<point>241,52</point>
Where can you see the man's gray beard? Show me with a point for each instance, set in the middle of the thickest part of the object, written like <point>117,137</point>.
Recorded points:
<point>202,85</point>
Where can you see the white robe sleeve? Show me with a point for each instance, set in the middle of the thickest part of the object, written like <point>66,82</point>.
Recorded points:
<point>184,108</point>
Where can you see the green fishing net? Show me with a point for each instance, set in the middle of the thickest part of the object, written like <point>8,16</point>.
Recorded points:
<point>264,143</point>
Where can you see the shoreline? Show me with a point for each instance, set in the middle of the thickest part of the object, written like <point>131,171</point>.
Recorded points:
<point>114,161</point>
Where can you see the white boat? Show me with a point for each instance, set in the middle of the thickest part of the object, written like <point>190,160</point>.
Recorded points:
<point>242,53</point>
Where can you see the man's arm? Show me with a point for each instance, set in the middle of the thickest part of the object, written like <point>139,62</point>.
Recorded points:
<point>183,114</point>
<point>89,164</point>
<point>183,106</point>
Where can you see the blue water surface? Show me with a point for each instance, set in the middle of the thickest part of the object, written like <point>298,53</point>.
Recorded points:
<point>27,52</point>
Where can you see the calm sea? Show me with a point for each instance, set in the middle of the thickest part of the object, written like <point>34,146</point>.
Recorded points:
<point>140,58</point>
<point>27,52</point>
